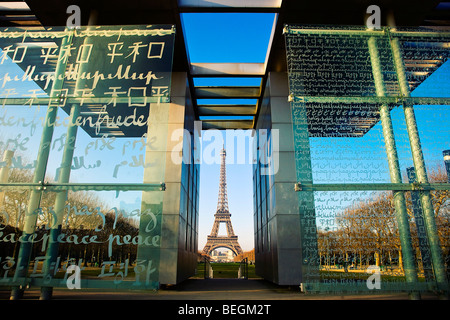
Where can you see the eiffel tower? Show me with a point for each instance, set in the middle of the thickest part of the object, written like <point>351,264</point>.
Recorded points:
<point>222,215</point>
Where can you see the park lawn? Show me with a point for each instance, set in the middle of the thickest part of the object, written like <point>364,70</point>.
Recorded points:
<point>225,270</point>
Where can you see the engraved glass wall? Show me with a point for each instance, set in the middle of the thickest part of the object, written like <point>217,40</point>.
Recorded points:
<point>82,173</point>
<point>370,108</point>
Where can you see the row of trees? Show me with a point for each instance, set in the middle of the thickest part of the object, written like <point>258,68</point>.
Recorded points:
<point>367,232</point>
<point>85,215</point>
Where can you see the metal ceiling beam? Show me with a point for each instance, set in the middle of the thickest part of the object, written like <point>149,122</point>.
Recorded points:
<point>227,92</point>
<point>229,5</point>
<point>14,6</point>
<point>227,124</point>
<point>227,69</point>
<point>226,110</point>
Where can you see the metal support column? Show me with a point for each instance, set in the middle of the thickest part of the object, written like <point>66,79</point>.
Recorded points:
<point>394,169</point>
<point>60,202</point>
<point>39,176</point>
<point>420,226</point>
<point>63,177</point>
<point>307,213</point>
<point>419,164</point>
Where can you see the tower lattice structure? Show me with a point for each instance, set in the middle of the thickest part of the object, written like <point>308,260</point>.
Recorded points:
<point>222,215</point>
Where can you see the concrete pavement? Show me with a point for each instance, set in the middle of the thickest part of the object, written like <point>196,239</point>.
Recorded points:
<point>211,289</point>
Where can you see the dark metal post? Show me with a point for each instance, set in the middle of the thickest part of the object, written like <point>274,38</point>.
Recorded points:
<point>394,170</point>
<point>420,225</point>
<point>60,202</point>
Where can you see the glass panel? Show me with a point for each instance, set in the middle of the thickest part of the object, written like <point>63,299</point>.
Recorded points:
<point>322,63</point>
<point>352,91</point>
<point>84,118</point>
<point>105,239</point>
<point>357,229</point>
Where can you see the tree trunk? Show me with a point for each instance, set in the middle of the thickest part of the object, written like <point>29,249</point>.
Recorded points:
<point>400,260</point>
<point>377,258</point>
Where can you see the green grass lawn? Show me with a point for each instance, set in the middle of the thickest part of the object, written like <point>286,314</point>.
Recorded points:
<point>225,270</point>
<point>230,270</point>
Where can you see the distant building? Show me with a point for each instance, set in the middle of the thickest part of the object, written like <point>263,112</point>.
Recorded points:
<point>219,256</point>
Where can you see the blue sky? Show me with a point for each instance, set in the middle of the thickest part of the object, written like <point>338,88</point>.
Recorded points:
<point>228,38</point>
<point>334,159</point>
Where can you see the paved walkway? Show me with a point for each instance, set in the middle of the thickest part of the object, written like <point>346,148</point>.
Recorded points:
<point>212,289</point>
